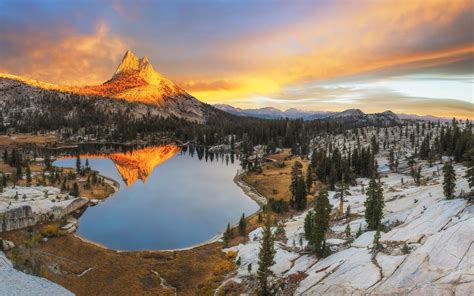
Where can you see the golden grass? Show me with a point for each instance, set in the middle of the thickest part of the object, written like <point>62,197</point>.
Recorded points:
<point>193,272</point>
<point>12,140</point>
<point>275,179</point>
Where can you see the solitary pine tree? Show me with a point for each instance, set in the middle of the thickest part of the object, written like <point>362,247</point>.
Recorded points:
<point>75,190</point>
<point>341,188</point>
<point>78,164</point>
<point>347,231</point>
<point>227,235</point>
<point>296,175</point>
<point>359,231</point>
<point>322,210</point>
<point>242,225</point>
<point>470,168</point>
<point>376,244</point>
<point>28,175</point>
<point>308,225</point>
<point>391,159</point>
<point>374,205</point>
<point>266,257</point>
<point>300,198</point>
<point>348,211</point>
<point>449,181</point>
<point>309,178</point>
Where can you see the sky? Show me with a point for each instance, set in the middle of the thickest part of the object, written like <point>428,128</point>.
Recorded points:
<point>408,56</point>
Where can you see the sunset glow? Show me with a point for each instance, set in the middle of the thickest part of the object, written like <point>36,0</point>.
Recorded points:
<point>312,55</point>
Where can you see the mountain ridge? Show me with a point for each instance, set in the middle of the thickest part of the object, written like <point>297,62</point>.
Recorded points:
<point>135,81</point>
<point>294,113</point>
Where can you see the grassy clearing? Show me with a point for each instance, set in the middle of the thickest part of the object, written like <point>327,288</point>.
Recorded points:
<point>12,140</point>
<point>275,179</point>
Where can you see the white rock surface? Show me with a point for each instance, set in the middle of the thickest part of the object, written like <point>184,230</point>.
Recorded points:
<point>14,282</point>
<point>438,235</point>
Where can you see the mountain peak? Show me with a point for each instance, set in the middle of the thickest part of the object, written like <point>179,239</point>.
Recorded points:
<point>143,61</point>
<point>131,65</point>
<point>129,62</point>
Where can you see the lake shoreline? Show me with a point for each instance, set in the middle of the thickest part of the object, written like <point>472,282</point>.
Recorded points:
<point>248,190</point>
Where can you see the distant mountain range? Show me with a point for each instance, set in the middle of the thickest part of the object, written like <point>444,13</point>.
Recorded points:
<point>274,113</point>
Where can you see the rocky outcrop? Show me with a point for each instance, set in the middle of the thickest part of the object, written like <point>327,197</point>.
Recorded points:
<point>24,216</point>
<point>14,282</point>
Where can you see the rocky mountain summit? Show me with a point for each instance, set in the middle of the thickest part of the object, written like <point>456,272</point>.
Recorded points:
<point>135,81</point>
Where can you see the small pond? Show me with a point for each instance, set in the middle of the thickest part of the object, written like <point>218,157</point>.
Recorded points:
<point>168,199</point>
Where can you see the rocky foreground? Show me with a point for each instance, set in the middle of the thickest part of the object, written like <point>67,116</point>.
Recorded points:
<point>428,250</point>
<point>14,282</point>
<point>22,207</point>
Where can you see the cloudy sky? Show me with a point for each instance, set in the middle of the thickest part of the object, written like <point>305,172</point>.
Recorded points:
<point>413,56</point>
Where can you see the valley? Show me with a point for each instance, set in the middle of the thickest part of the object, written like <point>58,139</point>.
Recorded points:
<point>134,186</point>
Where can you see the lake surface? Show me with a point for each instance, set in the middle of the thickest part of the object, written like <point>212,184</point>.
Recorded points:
<point>164,202</point>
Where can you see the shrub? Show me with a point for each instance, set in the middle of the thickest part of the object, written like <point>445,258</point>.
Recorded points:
<point>223,267</point>
<point>50,230</point>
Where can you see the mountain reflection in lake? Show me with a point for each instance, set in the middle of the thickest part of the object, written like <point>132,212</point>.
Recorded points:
<point>183,198</point>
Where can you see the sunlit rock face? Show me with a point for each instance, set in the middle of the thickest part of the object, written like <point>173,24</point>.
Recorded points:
<point>138,164</point>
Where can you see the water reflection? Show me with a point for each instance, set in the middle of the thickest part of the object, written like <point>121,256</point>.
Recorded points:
<point>188,197</point>
<point>136,164</point>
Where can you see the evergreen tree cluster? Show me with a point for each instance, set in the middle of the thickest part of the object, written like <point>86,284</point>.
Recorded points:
<point>333,166</point>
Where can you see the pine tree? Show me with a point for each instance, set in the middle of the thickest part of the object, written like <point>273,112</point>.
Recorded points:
<point>309,179</point>
<point>47,162</point>
<point>391,159</point>
<point>227,235</point>
<point>341,188</point>
<point>308,225</point>
<point>300,197</point>
<point>449,182</point>
<point>297,181</point>
<point>376,244</point>
<point>28,175</point>
<point>242,225</point>
<point>359,231</point>
<point>470,168</point>
<point>266,257</point>
<point>348,211</point>
<point>78,164</point>
<point>347,231</point>
<point>322,211</point>
<point>75,190</point>
<point>374,205</point>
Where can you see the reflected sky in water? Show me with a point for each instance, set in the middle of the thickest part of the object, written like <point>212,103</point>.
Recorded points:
<point>185,201</point>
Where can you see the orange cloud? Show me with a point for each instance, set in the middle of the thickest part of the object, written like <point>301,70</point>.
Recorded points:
<point>377,35</point>
<point>75,59</point>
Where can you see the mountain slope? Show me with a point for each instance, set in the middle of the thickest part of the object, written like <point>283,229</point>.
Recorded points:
<point>134,81</point>
<point>386,117</point>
